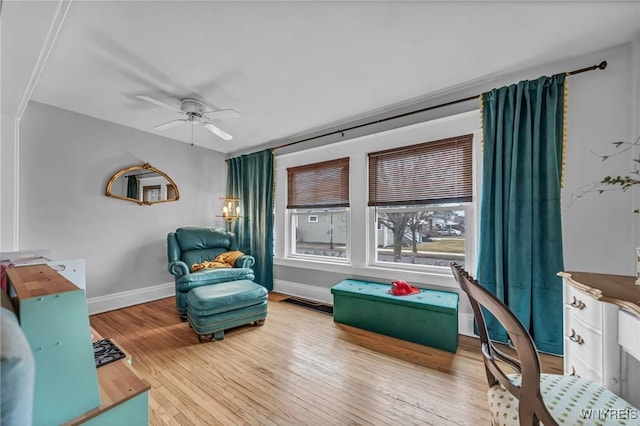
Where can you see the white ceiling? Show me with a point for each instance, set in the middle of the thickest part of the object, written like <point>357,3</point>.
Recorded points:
<point>289,67</point>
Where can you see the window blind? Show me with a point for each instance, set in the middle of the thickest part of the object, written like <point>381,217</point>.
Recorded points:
<point>324,184</point>
<point>428,173</point>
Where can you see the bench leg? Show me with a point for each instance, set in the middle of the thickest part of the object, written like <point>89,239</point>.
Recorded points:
<point>218,335</point>
<point>260,322</point>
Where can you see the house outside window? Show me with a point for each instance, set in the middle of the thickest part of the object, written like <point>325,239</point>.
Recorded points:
<point>317,205</point>
<point>420,199</point>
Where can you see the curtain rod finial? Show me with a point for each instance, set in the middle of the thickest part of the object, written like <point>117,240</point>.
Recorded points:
<point>602,65</point>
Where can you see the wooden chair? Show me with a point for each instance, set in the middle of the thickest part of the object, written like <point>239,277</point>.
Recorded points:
<point>529,397</point>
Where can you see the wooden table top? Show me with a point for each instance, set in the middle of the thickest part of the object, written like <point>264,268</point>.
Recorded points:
<point>619,290</point>
<point>38,280</point>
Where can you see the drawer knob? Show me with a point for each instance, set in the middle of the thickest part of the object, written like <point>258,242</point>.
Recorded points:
<point>576,303</point>
<point>576,337</point>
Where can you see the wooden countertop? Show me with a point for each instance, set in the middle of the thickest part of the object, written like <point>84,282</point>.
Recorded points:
<point>38,280</point>
<point>619,290</point>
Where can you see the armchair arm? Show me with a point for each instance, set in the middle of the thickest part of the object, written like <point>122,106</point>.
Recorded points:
<point>178,268</point>
<point>245,261</point>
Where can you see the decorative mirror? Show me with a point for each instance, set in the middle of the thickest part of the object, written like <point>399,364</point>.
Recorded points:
<point>143,184</point>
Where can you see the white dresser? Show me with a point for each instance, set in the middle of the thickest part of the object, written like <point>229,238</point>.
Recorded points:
<point>602,331</point>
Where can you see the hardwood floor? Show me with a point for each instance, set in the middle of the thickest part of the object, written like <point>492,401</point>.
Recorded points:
<point>299,368</point>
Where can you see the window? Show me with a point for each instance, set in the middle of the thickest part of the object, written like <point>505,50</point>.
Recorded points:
<point>151,193</point>
<point>419,197</point>
<point>317,202</point>
<point>421,235</point>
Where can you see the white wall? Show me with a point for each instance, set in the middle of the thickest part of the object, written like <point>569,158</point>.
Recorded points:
<point>66,160</point>
<point>600,232</point>
<point>8,180</point>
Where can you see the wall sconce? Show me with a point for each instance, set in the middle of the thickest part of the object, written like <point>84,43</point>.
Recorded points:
<point>231,210</point>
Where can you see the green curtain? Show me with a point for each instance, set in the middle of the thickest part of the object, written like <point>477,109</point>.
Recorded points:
<point>250,178</point>
<point>520,242</point>
<point>132,187</point>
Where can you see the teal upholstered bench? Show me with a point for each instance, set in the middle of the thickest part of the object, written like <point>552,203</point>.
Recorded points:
<point>214,308</point>
<point>429,317</point>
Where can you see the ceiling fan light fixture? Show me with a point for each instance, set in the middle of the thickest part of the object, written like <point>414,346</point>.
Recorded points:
<point>194,109</point>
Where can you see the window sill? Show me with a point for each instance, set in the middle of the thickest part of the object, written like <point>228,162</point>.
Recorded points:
<point>374,273</point>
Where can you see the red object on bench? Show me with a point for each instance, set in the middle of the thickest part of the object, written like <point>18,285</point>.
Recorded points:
<point>402,288</point>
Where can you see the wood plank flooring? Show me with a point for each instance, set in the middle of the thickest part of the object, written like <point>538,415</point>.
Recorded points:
<point>300,368</point>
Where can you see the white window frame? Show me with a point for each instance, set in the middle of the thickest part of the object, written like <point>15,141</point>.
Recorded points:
<point>471,210</point>
<point>292,213</point>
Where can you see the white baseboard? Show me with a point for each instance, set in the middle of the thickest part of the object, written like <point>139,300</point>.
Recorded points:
<point>124,299</point>
<point>310,292</point>
<point>322,294</point>
<point>465,325</point>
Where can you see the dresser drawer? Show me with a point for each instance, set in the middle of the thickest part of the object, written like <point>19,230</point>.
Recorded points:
<point>587,309</point>
<point>583,342</point>
<point>575,367</point>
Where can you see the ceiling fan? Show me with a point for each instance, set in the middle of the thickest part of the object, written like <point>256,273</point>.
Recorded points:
<point>196,112</point>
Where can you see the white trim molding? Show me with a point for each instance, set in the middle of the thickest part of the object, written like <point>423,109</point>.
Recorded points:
<point>125,299</point>
<point>465,324</point>
<point>47,47</point>
<point>309,292</point>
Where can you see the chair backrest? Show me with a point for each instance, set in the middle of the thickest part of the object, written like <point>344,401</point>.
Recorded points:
<point>199,244</point>
<point>527,363</point>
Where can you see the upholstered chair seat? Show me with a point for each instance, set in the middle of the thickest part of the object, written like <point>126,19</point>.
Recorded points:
<point>571,400</point>
<point>190,246</point>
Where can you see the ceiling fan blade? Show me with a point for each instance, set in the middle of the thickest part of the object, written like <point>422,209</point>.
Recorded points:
<point>170,124</point>
<point>221,114</point>
<point>217,131</point>
<point>159,103</point>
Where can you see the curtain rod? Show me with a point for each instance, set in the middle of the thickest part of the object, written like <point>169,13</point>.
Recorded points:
<point>602,65</point>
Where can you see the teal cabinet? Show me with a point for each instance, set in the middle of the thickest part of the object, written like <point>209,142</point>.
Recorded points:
<point>69,390</point>
<point>57,329</point>
<point>134,412</point>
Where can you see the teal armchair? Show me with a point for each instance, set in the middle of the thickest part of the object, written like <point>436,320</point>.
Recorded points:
<point>191,245</point>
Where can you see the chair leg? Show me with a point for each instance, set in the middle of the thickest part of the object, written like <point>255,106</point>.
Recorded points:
<point>260,322</point>
<point>183,317</point>
<point>218,335</point>
<point>205,337</point>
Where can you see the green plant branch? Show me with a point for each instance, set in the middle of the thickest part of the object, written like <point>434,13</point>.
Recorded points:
<point>611,183</point>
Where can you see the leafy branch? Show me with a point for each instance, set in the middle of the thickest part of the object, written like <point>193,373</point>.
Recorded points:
<point>611,183</point>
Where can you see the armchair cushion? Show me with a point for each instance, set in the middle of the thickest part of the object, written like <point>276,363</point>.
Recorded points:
<point>212,276</point>
<point>196,238</point>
